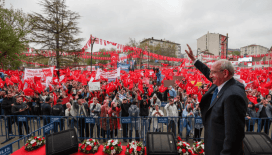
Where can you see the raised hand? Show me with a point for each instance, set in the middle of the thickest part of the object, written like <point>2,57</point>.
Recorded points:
<point>190,53</point>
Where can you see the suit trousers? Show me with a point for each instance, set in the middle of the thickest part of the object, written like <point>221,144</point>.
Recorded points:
<point>197,134</point>
<point>20,126</point>
<point>97,130</point>
<point>125,131</point>
<point>83,126</point>
<point>265,123</point>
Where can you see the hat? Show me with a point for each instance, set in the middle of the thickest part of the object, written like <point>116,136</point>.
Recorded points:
<point>59,100</point>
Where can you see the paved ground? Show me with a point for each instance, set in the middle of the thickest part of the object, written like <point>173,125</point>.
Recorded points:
<point>34,126</point>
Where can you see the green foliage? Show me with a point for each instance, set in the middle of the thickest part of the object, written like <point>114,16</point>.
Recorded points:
<point>14,30</point>
<point>101,55</point>
<point>56,29</point>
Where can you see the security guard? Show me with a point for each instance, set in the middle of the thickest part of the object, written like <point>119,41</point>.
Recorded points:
<point>57,110</point>
<point>46,110</point>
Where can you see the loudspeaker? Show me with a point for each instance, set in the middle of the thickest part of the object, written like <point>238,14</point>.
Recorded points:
<point>257,143</point>
<point>158,143</point>
<point>63,142</point>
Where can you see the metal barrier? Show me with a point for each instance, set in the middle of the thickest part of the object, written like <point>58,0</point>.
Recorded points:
<point>126,128</point>
<point>8,149</point>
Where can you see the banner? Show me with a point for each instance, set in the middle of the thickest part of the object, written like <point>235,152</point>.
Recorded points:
<point>108,74</point>
<point>46,74</point>
<point>123,66</point>
<point>94,86</point>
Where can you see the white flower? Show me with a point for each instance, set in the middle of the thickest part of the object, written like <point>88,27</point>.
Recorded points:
<point>33,141</point>
<point>95,148</point>
<point>88,143</point>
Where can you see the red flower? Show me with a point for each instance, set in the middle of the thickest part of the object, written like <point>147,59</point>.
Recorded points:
<point>26,144</point>
<point>112,141</point>
<point>128,146</point>
<point>90,139</point>
<point>107,147</point>
<point>112,148</point>
<point>119,144</point>
<point>34,144</point>
<point>82,146</point>
<point>183,150</point>
<point>94,143</point>
<point>202,151</point>
<point>40,139</point>
<point>178,148</point>
<point>184,145</point>
<point>88,148</point>
<point>43,138</point>
<point>179,138</point>
<point>190,151</point>
<point>139,148</point>
<point>35,137</point>
<point>133,143</point>
<point>197,145</point>
<point>130,150</point>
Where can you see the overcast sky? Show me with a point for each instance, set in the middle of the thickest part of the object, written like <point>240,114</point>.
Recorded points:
<point>181,21</point>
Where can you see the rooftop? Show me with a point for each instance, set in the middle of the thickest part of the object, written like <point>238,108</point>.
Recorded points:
<point>162,40</point>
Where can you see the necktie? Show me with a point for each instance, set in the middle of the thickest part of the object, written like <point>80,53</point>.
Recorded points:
<point>214,94</point>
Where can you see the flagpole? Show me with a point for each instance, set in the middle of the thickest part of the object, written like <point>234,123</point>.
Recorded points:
<point>92,43</point>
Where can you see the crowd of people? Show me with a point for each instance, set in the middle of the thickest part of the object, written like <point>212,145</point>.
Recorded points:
<point>75,99</point>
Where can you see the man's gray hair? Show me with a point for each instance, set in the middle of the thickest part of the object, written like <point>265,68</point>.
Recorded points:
<point>225,64</point>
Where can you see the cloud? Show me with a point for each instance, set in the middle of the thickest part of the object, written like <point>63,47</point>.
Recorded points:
<point>246,22</point>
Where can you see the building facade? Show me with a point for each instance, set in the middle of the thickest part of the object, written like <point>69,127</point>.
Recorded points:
<point>253,50</point>
<point>214,43</point>
<point>155,42</point>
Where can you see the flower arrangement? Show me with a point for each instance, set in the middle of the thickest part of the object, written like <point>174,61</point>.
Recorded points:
<point>112,147</point>
<point>183,147</point>
<point>34,142</point>
<point>89,146</point>
<point>135,148</point>
<point>198,148</point>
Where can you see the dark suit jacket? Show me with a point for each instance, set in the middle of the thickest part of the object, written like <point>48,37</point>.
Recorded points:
<point>224,119</point>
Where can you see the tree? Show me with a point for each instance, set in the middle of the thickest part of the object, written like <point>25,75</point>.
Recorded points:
<point>234,53</point>
<point>56,29</point>
<point>14,29</point>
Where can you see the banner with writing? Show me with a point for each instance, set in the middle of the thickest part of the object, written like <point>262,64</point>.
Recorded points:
<point>94,86</point>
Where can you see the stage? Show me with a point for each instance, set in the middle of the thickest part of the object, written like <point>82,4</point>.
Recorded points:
<point>41,151</point>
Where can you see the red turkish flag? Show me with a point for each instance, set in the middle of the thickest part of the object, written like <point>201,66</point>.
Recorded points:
<point>2,83</point>
<point>114,58</point>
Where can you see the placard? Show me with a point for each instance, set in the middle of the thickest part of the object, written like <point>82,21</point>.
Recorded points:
<point>48,128</point>
<point>22,119</point>
<point>94,86</point>
<point>125,120</point>
<point>90,120</point>
<point>168,83</point>
<point>162,119</point>
<point>198,120</point>
<point>177,78</point>
<point>6,150</point>
<point>55,119</point>
<point>163,104</point>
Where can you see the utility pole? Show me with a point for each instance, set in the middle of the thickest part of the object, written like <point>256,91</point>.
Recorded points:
<point>92,43</point>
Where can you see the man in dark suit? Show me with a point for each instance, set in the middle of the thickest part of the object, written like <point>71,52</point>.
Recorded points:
<point>223,109</point>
